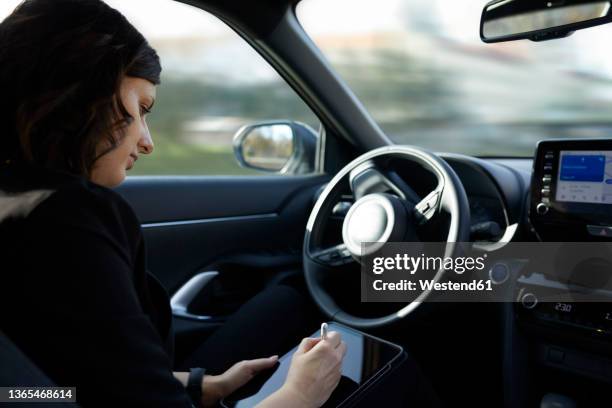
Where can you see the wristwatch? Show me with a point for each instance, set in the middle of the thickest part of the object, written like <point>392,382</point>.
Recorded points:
<point>194,385</point>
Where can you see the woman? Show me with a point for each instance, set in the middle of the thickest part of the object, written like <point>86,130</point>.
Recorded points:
<point>78,81</point>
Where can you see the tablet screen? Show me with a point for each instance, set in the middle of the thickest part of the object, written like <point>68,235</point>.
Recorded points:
<point>365,358</point>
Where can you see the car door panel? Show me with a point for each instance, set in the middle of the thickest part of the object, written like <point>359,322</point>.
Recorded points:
<point>191,223</point>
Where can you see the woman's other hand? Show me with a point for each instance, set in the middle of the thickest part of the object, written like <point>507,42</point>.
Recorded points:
<point>216,387</point>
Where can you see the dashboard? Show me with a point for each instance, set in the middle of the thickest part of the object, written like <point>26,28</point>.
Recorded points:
<point>567,199</point>
<point>562,195</point>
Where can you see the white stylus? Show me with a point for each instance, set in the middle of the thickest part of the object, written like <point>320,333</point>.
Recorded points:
<point>324,331</point>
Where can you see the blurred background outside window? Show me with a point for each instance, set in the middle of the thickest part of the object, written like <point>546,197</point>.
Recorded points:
<point>421,70</point>
<point>418,66</point>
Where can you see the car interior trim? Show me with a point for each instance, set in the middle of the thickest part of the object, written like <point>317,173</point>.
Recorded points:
<point>208,220</point>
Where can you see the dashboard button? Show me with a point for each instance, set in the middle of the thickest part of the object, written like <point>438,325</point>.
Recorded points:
<point>547,179</point>
<point>545,192</point>
<point>499,273</point>
<point>542,209</point>
<point>529,301</point>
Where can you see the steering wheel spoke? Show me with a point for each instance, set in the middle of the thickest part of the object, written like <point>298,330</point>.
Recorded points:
<point>428,207</point>
<point>333,256</point>
<point>367,179</point>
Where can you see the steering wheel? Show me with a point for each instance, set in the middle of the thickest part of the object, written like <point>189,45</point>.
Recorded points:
<point>385,209</point>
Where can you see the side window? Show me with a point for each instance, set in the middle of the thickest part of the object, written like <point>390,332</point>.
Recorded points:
<point>213,84</point>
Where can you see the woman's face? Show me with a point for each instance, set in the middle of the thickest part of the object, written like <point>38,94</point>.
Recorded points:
<point>138,96</point>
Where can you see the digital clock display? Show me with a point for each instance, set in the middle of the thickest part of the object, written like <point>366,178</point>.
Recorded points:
<point>563,307</point>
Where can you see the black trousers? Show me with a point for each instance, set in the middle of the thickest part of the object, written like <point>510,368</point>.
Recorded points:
<point>272,322</point>
<point>275,321</point>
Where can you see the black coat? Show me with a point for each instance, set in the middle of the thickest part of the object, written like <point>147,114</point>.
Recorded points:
<point>75,294</point>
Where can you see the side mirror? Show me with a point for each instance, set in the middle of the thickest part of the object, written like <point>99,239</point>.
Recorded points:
<point>284,147</point>
<point>540,20</point>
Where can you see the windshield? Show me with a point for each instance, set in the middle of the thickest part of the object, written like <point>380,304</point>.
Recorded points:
<point>421,70</point>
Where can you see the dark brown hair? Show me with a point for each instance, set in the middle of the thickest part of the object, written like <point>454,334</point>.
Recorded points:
<point>61,66</point>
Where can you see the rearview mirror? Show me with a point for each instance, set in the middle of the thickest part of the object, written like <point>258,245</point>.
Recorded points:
<point>540,20</point>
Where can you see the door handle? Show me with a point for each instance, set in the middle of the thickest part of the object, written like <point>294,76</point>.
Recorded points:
<point>183,297</point>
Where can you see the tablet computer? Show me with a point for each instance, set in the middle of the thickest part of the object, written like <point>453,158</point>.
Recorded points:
<point>367,359</point>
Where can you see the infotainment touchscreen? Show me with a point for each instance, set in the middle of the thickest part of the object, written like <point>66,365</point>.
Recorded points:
<point>584,177</point>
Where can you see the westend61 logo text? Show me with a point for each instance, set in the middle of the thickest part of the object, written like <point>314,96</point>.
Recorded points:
<point>412,264</point>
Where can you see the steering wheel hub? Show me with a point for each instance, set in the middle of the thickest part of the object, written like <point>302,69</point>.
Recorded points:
<point>372,221</point>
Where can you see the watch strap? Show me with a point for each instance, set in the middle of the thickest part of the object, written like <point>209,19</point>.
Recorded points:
<point>194,385</point>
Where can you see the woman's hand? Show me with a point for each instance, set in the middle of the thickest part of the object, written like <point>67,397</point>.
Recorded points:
<point>314,373</point>
<point>216,387</point>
